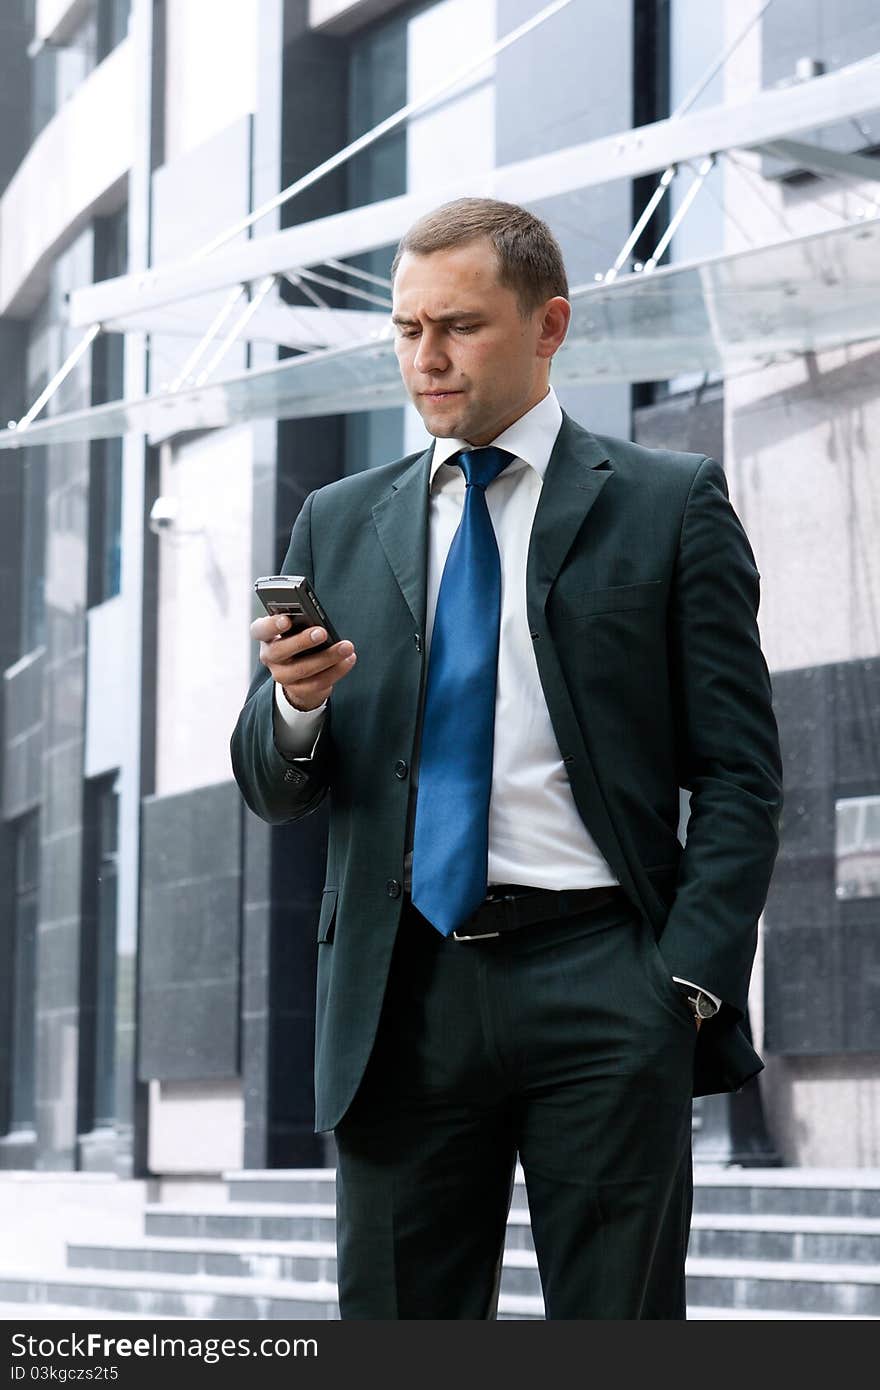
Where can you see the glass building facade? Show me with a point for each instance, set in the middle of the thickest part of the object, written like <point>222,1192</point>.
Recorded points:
<point>153,934</point>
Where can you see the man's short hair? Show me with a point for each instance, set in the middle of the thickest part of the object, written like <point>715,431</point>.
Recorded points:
<point>529,258</point>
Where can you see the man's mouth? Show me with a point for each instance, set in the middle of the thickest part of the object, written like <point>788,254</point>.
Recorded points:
<point>439,395</point>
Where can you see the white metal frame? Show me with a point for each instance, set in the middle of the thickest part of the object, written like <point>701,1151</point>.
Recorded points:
<point>775,114</point>
<point>379,385</point>
<point>764,123</point>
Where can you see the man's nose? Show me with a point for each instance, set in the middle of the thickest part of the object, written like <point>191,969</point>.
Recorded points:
<point>430,356</point>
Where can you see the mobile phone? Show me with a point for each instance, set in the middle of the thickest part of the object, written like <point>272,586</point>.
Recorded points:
<point>293,595</point>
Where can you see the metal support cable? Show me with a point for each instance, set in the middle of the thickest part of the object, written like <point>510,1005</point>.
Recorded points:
<point>61,375</point>
<point>360,274</point>
<point>237,328</point>
<point>648,211</point>
<point>700,86</point>
<point>706,166</point>
<point>721,204</point>
<point>341,285</point>
<point>670,171</point>
<point>296,279</point>
<point>207,338</point>
<point>757,191</point>
<point>299,284</point>
<point>390,123</point>
<point>363,141</point>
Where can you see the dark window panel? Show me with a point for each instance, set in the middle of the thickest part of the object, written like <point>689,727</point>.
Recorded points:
<point>105,455</point>
<point>33,577</point>
<point>377,87</point>
<point>113,16</point>
<point>822,989</point>
<point>99,955</point>
<point>21,1113</point>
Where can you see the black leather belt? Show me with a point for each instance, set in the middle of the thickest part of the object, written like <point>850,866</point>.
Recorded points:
<point>511,905</point>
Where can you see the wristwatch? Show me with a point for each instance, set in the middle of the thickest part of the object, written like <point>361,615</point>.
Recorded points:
<point>701,1005</point>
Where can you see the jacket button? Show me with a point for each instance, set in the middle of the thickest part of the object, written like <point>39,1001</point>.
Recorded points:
<point>418,639</point>
<point>534,636</point>
<point>392,888</point>
<point>400,769</point>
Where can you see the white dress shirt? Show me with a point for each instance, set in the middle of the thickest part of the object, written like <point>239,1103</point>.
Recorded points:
<point>536,835</point>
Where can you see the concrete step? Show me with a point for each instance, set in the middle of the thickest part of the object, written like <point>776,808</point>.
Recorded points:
<point>279,1186</point>
<point>744,1191</point>
<point>520,1307</point>
<point>276,1221</point>
<point>83,1293</point>
<point>523,1309</point>
<point>848,1290</point>
<point>149,1294</point>
<point>749,1286</point>
<point>716,1289</point>
<point>790,1239</point>
<point>698,1314</point>
<point>788,1191</point>
<point>510,1310</point>
<point>814,1239</point>
<point>826,1288</point>
<point>63,1312</point>
<point>243,1221</point>
<point>294,1261</point>
<point>300,1261</point>
<point>849,1240</point>
<point>775,1243</point>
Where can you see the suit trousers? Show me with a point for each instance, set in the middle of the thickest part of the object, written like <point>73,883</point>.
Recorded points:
<point>565,1044</point>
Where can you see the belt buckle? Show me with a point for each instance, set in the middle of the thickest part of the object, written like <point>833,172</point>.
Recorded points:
<point>507,899</point>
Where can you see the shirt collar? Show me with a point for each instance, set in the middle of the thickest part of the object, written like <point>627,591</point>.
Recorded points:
<point>530,438</point>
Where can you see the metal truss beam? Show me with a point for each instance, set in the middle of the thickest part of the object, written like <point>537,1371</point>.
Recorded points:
<point>286,325</point>
<point>820,161</point>
<point>774,114</point>
<point>731,313</point>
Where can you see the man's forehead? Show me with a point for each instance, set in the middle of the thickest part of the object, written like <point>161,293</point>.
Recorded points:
<point>450,277</point>
<point>444,315</point>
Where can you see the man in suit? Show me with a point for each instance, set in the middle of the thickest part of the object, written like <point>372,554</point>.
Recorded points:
<point>548,633</point>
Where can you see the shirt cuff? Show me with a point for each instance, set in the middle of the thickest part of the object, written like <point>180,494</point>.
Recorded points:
<point>714,997</point>
<point>296,730</point>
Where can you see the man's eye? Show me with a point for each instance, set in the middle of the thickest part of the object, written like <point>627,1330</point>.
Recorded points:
<point>466,327</point>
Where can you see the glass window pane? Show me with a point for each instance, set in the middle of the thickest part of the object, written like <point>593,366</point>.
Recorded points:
<point>33,608</point>
<point>872,823</point>
<point>106,872</point>
<point>858,848</point>
<point>24,942</point>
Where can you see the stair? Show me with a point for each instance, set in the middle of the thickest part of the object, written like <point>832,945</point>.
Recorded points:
<point>772,1243</point>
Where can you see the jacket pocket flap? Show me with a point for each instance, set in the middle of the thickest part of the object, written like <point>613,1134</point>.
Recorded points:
<point>618,598</point>
<point>327,917</point>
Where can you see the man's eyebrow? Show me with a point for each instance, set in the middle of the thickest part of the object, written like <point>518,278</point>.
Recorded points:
<point>454,314</point>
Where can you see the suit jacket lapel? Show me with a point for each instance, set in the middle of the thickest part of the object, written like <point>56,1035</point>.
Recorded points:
<point>578,470</point>
<point>401,519</point>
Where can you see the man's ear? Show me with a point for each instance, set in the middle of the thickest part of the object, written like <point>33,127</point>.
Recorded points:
<point>555,318</point>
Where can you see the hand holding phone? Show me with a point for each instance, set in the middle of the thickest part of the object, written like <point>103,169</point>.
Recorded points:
<point>293,594</point>
<point>306,670</point>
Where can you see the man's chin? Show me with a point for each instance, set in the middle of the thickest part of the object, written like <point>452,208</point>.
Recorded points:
<point>442,429</point>
<point>439,422</point>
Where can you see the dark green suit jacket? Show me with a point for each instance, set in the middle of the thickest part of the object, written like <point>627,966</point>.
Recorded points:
<point>642,595</point>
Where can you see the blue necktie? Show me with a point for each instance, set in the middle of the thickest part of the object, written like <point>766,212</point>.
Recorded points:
<point>451,833</point>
